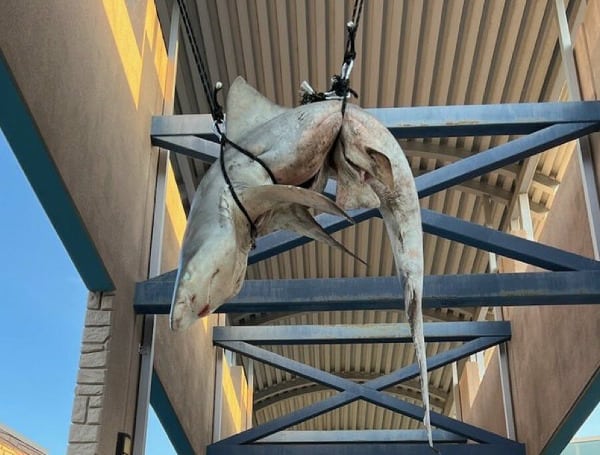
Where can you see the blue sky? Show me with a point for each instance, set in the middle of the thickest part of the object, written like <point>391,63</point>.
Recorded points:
<point>41,314</point>
<point>41,320</point>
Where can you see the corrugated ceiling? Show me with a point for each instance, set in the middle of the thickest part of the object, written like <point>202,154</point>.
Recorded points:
<point>410,53</point>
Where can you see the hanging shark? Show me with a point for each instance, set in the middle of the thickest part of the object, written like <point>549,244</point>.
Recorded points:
<point>293,143</point>
<point>301,146</point>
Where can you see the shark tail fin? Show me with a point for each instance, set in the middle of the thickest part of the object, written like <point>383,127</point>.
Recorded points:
<point>412,299</point>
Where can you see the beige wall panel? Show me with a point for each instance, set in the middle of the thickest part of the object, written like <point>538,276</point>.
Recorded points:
<point>491,414</point>
<point>185,363</point>
<point>554,350</point>
<point>92,74</point>
<point>235,400</point>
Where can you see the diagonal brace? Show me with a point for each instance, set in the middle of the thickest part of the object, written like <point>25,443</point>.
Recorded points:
<point>369,391</point>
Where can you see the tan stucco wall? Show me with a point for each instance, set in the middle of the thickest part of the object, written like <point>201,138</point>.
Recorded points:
<point>554,351</point>
<point>92,73</point>
<point>235,403</point>
<point>490,415</point>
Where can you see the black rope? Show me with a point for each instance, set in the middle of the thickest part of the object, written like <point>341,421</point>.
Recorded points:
<point>200,65</point>
<point>340,84</point>
<point>253,230</point>
<point>217,114</point>
<point>218,117</point>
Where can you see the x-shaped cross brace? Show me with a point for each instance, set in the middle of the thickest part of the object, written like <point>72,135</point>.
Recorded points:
<point>370,391</point>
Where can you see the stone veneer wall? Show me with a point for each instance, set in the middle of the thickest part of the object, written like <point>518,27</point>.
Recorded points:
<point>89,392</point>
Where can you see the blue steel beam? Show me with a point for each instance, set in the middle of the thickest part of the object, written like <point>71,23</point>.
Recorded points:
<point>389,448</point>
<point>453,228</point>
<point>191,146</point>
<point>445,226</point>
<point>439,291</point>
<point>359,334</point>
<point>369,391</point>
<point>431,121</point>
<point>507,245</point>
<point>359,436</point>
<point>438,179</point>
<point>502,155</point>
<point>27,143</point>
<point>168,417</point>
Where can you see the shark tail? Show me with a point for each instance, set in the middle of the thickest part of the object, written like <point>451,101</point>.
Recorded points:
<point>412,299</point>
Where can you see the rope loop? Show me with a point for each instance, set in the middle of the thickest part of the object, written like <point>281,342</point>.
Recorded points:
<point>218,118</point>
<point>340,84</point>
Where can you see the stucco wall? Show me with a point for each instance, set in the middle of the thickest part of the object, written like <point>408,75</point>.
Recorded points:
<point>554,351</point>
<point>92,74</point>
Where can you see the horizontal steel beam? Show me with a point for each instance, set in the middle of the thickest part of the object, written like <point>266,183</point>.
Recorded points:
<point>440,291</point>
<point>457,173</point>
<point>359,334</point>
<point>370,391</point>
<point>191,146</point>
<point>351,448</point>
<point>343,398</point>
<point>24,137</point>
<point>208,152</point>
<point>431,121</point>
<point>359,436</point>
<point>445,226</point>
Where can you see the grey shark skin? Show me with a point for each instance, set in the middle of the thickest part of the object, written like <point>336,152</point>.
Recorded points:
<point>293,143</point>
<point>373,171</point>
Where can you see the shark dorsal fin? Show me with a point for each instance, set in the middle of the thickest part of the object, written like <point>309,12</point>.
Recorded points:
<point>247,109</point>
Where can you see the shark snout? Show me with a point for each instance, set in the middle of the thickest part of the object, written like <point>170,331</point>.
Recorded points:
<point>182,316</point>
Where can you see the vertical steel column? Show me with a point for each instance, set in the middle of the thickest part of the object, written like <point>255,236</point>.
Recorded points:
<point>250,384</point>
<point>509,415</point>
<point>584,154</point>
<point>525,215</point>
<point>218,393</point>
<point>456,391</point>
<point>147,347</point>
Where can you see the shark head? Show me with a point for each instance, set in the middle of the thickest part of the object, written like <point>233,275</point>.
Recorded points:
<point>293,143</point>
<point>207,277</point>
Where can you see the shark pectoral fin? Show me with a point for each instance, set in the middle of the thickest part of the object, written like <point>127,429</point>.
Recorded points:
<point>247,109</point>
<point>260,199</point>
<point>298,219</point>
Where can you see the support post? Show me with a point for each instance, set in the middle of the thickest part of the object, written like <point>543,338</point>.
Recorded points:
<point>507,401</point>
<point>147,346</point>
<point>584,153</point>
<point>250,385</point>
